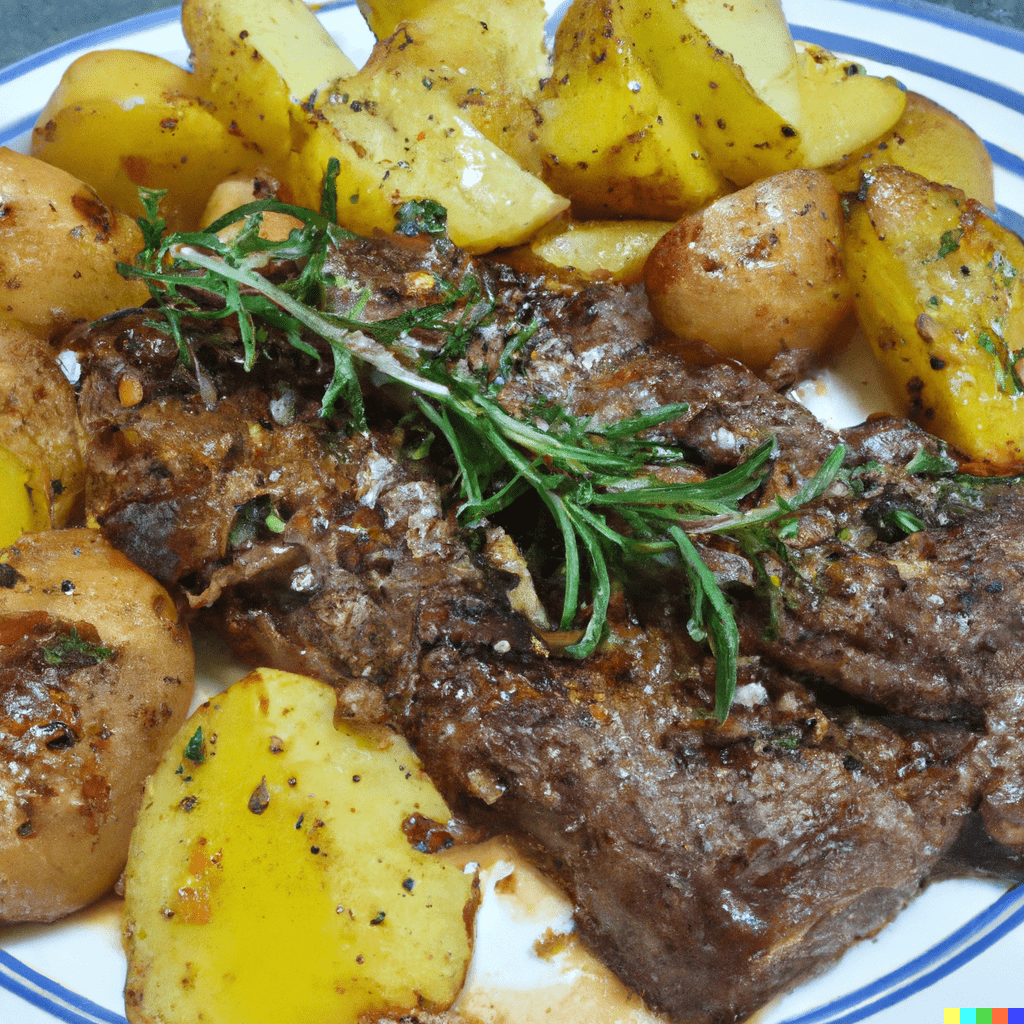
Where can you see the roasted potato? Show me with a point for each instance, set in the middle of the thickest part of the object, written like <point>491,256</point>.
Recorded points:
<point>841,106</point>
<point>930,141</point>
<point>96,674</point>
<point>757,271</point>
<point>121,119</point>
<point>615,249</point>
<point>487,57</point>
<point>40,452</point>
<point>59,245</point>
<point>240,189</point>
<point>607,138</point>
<point>281,869</point>
<point>398,140</point>
<point>257,63</point>
<point>939,294</point>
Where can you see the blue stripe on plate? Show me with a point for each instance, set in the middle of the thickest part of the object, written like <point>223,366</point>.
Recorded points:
<point>962,946</point>
<point>42,992</point>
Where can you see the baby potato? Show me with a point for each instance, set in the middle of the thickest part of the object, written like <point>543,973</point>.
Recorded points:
<point>59,245</point>
<point>282,869</point>
<point>96,674</point>
<point>756,272</point>
<point>42,472</point>
<point>119,119</point>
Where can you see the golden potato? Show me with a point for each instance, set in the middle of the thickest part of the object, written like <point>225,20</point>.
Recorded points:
<point>930,141</point>
<point>96,674</point>
<point>121,119</point>
<point>757,271</point>
<point>397,139</point>
<point>58,248</point>
<point>281,869</point>
<point>841,106</point>
<point>487,57</point>
<point>940,297</point>
<point>616,249</point>
<point>40,453</point>
<point>607,138</point>
<point>257,62</point>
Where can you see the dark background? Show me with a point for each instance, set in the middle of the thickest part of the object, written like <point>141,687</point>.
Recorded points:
<point>30,25</point>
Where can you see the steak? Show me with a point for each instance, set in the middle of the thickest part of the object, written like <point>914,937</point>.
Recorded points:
<point>711,865</point>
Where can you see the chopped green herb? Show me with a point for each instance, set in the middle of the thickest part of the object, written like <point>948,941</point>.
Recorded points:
<point>252,517</point>
<point>950,242</point>
<point>927,464</point>
<point>904,521</point>
<point>71,647</point>
<point>195,749</point>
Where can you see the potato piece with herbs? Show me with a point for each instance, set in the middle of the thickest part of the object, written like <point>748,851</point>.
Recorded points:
<point>120,119</point>
<point>42,472</point>
<point>487,56</point>
<point>397,139</point>
<point>281,869</point>
<point>96,674</point>
<point>257,62</point>
<point>932,142</point>
<point>757,271</point>
<point>607,138</point>
<point>939,294</point>
<point>59,245</point>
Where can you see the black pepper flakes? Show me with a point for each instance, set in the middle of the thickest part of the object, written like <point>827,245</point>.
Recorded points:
<point>379,919</point>
<point>67,587</point>
<point>188,803</point>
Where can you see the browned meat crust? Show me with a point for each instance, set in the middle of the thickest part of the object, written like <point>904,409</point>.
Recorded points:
<point>712,866</point>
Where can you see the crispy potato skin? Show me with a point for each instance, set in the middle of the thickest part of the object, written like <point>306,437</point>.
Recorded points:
<point>756,272</point>
<point>78,738</point>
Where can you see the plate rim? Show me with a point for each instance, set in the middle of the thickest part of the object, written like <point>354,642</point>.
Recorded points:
<point>984,929</point>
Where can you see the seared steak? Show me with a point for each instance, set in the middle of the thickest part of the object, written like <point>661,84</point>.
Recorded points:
<point>712,866</point>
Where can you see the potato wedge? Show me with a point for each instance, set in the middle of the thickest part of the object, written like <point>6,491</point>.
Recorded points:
<point>606,137</point>
<point>257,63</point>
<point>121,119</point>
<point>41,463</point>
<point>940,296</point>
<point>398,140</point>
<point>841,106</point>
<point>487,57</point>
<point>612,249</point>
<point>930,141</point>
<point>757,271</point>
<point>280,869</point>
<point>59,245</point>
<point>96,674</point>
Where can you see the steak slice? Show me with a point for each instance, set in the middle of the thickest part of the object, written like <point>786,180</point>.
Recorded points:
<point>712,866</point>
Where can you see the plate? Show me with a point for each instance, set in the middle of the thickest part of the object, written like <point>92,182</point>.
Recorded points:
<point>961,942</point>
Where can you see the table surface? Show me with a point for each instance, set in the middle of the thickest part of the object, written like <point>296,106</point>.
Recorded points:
<point>27,26</point>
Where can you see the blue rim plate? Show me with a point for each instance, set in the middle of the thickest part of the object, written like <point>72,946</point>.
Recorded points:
<point>961,942</point>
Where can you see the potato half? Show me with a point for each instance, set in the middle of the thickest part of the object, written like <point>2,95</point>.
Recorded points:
<point>96,674</point>
<point>282,869</point>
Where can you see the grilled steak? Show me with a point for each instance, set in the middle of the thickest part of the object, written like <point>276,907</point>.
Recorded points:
<point>712,866</point>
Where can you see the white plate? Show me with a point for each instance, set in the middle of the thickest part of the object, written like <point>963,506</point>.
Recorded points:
<point>960,943</point>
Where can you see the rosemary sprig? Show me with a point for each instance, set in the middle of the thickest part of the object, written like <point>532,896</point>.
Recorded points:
<point>597,482</point>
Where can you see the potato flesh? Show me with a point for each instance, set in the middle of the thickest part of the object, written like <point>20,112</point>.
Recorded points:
<point>277,880</point>
<point>932,142</point>
<point>939,295</point>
